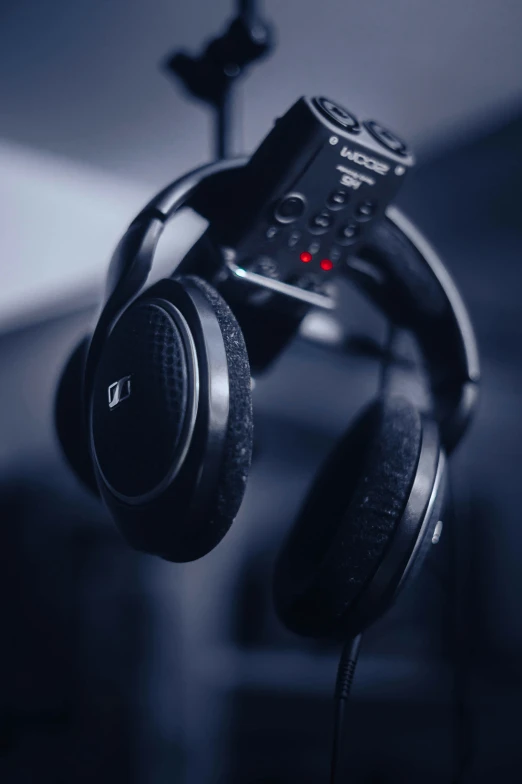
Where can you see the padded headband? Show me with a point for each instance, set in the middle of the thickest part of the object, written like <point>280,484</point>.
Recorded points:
<point>397,269</point>
<point>405,278</point>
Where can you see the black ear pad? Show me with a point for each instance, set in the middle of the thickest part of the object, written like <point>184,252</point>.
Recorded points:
<point>69,417</point>
<point>239,436</point>
<point>171,419</point>
<point>348,520</point>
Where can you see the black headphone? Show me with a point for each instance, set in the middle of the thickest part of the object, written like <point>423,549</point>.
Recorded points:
<point>154,413</point>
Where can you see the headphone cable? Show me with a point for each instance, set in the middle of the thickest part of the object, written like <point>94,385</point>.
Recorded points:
<point>345,673</point>
<point>462,648</point>
<point>350,651</point>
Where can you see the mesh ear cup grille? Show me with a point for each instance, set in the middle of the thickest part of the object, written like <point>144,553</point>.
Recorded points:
<point>140,400</point>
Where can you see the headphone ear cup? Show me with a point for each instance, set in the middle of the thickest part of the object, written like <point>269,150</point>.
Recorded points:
<point>69,417</point>
<point>348,520</point>
<point>172,444</point>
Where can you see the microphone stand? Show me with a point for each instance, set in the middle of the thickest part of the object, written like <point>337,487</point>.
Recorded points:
<point>211,76</point>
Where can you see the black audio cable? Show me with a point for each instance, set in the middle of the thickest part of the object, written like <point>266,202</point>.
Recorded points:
<point>462,621</point>
<point>350,652</point>
<point>345,673</point>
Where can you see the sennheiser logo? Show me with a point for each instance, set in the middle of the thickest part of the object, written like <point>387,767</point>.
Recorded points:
<point>364,160</point>
<point>119,391</point>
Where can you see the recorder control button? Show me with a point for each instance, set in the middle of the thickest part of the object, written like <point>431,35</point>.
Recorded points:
<point>365,210</point>
<point>320,223</point>
<point>294,238</point>
<point>290,208</point>
<point>348,234</point>
<point>338,199</point>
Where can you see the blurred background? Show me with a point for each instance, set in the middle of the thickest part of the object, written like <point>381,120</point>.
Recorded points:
<point>115,666</point>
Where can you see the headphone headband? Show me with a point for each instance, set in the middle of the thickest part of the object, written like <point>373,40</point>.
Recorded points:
<point>132,259</point>
<point>400,272</point>
<point>405,277</point>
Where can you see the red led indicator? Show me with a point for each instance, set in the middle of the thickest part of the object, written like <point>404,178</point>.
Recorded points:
<point>326,264</point>
<point>305,256</point>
